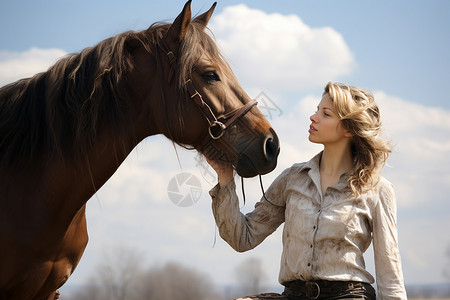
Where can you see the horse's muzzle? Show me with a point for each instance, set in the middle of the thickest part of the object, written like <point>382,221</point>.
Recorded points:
<point>252,163</point>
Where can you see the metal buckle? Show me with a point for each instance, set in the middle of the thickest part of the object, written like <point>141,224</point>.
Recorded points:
<point>308,289</point>
<point>222,128</point>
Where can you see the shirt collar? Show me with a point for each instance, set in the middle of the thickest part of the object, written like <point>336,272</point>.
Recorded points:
<point>314,173</point>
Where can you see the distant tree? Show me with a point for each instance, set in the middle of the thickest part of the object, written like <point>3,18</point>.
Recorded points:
<point>115,277</point>
<point>120,276</point>
<point>250,276</point>
<point>90,291</point>
<point>175,282</point>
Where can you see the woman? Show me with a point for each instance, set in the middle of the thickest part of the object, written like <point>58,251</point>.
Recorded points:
<point>333,207</point>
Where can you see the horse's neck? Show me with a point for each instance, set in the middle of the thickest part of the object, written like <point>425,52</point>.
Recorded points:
<point>109,151</point>
<point>73,184</point>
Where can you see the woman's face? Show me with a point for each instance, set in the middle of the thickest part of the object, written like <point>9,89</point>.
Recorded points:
<point>326,127</point>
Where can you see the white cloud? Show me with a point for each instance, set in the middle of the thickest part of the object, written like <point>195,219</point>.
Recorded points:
<point>423,241</point>
<point>421,154</point>
<point>17,65</point>
<point>277,51</point>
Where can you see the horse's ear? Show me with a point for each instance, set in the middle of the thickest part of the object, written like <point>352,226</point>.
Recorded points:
<point>179,27</point>
<point>204,18</point>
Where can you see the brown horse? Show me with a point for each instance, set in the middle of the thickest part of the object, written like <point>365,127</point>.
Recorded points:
<point>64,132</point>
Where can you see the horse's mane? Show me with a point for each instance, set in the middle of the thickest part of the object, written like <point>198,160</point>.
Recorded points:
<point>58,113</point>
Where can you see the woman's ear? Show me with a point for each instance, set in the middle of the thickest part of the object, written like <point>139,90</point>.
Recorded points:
<point>348,134</point>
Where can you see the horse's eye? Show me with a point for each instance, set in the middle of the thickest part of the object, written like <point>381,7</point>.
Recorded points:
<point>211,76</point>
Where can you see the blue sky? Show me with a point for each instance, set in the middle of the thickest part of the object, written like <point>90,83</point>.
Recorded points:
<point>397,49</point>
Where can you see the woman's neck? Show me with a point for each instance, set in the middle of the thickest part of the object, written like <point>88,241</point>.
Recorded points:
<point>336,160</point>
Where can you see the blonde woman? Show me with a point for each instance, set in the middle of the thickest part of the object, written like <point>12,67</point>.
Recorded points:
<point>333,207</point>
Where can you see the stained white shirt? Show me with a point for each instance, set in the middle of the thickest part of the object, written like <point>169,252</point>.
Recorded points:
<point>324,236</point>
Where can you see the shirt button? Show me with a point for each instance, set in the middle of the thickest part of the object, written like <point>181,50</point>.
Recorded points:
<point>310,246</point>
<point>309,264</point>
<point>314,227</point>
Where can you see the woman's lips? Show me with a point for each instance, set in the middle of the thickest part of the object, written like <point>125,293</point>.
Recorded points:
<point>312,129</point>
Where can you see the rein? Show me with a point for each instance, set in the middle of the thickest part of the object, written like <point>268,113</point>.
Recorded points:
<point>217,125</point>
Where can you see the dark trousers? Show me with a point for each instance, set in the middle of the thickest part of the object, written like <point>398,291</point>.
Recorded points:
<point>320,290</point>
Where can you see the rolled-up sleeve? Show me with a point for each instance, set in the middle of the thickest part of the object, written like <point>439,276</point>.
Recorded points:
<point>244,232</point>
<point>388,267</point>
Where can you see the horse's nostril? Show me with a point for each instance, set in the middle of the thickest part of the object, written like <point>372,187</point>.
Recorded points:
<point>271,148</point>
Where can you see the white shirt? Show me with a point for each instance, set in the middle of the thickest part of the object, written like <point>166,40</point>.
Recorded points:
<point>324,236</point>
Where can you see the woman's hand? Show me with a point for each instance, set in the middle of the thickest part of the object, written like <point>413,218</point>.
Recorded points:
<point>224,171</point>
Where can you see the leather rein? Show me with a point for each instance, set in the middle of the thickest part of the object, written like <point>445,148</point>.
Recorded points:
<point>217,125</point>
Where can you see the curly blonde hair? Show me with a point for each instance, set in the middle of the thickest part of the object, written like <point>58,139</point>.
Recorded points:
<point>360,115</point>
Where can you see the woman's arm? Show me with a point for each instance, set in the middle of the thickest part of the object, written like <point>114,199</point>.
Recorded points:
<point>385,243</point>
<point>242,232</point>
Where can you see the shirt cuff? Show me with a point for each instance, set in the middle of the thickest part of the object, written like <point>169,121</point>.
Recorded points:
<point>218,194</point>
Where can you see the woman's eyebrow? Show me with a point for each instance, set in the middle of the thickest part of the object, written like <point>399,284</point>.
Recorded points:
<point>324,107</point>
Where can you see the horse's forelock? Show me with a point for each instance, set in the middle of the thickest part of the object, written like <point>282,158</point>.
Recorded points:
<point>196,42</point>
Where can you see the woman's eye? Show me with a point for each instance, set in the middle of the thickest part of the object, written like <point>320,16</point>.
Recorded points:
<point>211,76</point>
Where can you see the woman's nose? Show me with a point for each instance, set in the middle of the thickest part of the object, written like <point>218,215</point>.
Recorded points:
<point>313,117</point>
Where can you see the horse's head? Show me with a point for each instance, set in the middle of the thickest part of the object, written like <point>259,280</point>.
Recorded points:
<point>205,106</point>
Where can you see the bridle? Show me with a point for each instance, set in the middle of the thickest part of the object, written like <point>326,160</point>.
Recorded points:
<point>217,125</point>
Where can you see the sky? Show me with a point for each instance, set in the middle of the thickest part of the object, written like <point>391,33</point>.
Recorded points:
<point>283,53</point>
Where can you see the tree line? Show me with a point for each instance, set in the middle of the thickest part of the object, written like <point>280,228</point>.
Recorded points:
<point>121,275</point>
